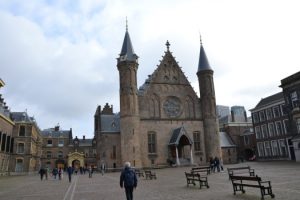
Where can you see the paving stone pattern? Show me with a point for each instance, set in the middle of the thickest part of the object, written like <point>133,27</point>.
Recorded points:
<point>170,185</point>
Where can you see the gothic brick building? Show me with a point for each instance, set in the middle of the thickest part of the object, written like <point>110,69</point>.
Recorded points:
<point>162,122</point>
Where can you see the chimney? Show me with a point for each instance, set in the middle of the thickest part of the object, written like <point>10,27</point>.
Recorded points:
<point>56,128</point>
<point>84,137</point>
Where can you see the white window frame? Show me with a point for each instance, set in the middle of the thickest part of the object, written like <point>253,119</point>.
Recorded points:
<point>276,107</point>
<point>264,131</point>
<point>267,146</point>
<point>275,148</point>
<point>255,117</point>
<point>260,148</point>
<point>258,132</point>
<point>294,99</point>
<point>262,116</point>
<point>269,111</point>
<point>298,125</point>
<point>279,132</point>
<point>272,132</point>
<point>282,143</point>
<point>285,131</point>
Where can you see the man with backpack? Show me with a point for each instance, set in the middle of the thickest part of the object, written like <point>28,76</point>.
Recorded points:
<point>128,180</point>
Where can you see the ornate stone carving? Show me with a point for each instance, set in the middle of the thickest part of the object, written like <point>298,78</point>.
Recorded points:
<point>172,107</point>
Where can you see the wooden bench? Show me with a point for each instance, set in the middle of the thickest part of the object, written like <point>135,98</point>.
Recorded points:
<point>191,178</point>
<point>240,182</point>
<point>139,173</point>
<point>149,174</point>
<point>240,170</point>
<point>205,169</point>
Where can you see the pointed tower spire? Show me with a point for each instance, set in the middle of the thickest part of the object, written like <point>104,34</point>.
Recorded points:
<point>208,106</point>
<point>127,52</point>
<point>203,61</point>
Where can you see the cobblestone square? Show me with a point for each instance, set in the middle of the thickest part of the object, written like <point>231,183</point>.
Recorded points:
<point>170,185</point>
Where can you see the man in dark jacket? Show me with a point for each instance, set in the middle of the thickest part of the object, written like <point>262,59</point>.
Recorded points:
<point>128,180</point>
<point>70,172</point>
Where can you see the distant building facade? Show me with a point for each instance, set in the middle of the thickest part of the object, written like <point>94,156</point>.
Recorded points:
<point>223,111</point>
<point>291,92</point>
<point>270,122</point>
<point>240,131</point>
<point>6,139</point>
<point>27,151</point>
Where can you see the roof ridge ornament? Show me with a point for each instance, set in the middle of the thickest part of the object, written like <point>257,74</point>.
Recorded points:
<point>200,38</point>
<point>168,45</point>
<point>126,24</point>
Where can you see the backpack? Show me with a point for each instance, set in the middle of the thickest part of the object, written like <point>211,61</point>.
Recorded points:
<point>129,178</point>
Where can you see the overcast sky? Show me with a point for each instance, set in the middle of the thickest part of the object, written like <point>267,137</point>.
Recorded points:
<point>58,58</point>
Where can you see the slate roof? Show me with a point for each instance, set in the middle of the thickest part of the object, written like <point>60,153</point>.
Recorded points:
<point>269,100</point>
<point>225,140</point>
<point>21,117</point>
<point>127,52</point>
<point>203,61</point>
<point>176,135</point>
<point>51,132</point>
<point>110,123</point>
<point>85,142</point>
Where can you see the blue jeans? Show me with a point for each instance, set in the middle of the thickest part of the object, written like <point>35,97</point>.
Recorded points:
<point>129,193</point>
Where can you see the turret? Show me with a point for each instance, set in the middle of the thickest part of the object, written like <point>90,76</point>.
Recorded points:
<point>127,64</point>
<point>208,106</point>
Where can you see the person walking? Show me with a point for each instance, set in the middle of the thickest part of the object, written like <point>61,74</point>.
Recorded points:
<point>60,173</point>
<point>42,173</point>
<point>221,164</point>
<point>102,168</point>
<point>46,173</point>
<point>70,172</point>
<point>90,172</point>
<point>54,172</point>
<point>128,180</point>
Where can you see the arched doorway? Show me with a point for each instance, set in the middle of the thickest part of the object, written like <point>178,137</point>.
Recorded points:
<point>180,147</point>
<point>76,160</point>
<point>76,164</point>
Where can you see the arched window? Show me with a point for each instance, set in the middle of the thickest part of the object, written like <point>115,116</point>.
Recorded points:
<point>154,106</point>
<point>189,107</point>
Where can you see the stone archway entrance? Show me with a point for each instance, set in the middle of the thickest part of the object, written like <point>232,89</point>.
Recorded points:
<point>180,147</point>
<point>76,160</point>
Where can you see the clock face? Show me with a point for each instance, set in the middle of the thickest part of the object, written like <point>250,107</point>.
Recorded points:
<point>172,107</point>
